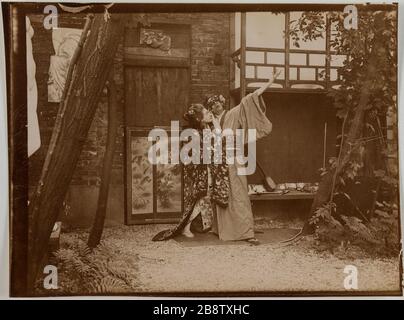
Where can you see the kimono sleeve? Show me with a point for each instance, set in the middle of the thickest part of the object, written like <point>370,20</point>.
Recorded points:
<point>252,115</point>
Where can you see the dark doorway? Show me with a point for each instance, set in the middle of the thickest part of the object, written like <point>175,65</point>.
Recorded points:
<point>294,150</point>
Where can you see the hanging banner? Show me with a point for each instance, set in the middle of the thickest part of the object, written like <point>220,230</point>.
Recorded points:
<point>65,41</point>
<point>34,138</point>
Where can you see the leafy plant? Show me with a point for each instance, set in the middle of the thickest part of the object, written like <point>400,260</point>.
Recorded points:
<point>359,48</point>
<point>380,233</point>
<point>378,236</point>
<point>94,271</point>
<point>356,45</point>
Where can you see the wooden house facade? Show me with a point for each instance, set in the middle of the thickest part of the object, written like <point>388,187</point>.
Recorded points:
<point>178,59</point>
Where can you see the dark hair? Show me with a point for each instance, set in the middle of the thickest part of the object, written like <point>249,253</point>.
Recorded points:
<point>194,115</point>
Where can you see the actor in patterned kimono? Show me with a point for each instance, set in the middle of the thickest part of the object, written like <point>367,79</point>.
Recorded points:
<point>235,222</point>
<point>206,186</point>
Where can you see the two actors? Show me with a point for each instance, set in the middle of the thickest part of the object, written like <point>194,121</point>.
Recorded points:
<point>215,195</point>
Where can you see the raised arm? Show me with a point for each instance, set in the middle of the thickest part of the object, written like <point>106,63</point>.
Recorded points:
<point>261,90</point>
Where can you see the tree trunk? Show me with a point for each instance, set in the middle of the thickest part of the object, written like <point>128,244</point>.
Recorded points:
<point>98,226</point>
<point>327,183</point>
<point>87,75</point>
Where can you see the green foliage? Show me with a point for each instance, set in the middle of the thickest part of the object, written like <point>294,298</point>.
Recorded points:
<point>309,27</point>
<point>375,37</point>
<point>387,179</point>
<point>357,45</point>
<point>379,236</point>
<point>94,271</point>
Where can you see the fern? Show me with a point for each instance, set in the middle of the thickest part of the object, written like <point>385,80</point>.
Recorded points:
<point>108,284</point>
<point>97,271</point>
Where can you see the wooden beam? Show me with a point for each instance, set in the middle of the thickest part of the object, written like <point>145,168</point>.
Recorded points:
<point>156,62</point>
<point>292,195</point>
<point>243,44</point>
<point>235,53</point>
<point>89,72</point>
<point>287,49</point>
<point>232,65</point>
<point>187,8</point>
<point>14,23</point>
<point>261,49</point>
<point>236,92</point>
<point>99,219</point>
<point>328,50</point>
<point>151,52</point>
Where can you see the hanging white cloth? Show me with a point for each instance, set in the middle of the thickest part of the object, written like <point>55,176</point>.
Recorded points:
<point>34,138</point>
<point>65,41</point>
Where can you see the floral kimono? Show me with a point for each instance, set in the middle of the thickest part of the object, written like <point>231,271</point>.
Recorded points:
<point>205,186</point>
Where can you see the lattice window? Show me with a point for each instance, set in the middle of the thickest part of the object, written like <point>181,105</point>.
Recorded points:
<point>260,45</point>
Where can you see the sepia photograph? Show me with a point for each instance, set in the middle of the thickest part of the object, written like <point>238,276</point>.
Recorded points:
<point>203,150</point>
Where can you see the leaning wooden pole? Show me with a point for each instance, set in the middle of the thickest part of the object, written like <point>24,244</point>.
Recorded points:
<point>98,225</point>
<point>86,80</point>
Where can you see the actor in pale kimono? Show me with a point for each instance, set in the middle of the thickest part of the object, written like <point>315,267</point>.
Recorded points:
<point>235,222</point>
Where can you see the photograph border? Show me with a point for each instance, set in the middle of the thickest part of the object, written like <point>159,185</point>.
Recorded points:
<point>14,35</point>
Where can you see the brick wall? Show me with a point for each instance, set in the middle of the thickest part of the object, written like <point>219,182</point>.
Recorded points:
<point>210,36</point>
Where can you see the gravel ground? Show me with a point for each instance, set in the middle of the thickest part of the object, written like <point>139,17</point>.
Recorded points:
<point>170,267</point>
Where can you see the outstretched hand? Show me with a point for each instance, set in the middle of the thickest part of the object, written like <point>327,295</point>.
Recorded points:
<point>275,74</point>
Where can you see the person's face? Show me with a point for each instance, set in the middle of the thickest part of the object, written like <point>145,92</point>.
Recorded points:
<point>217,108</point>
<point>207,116</point>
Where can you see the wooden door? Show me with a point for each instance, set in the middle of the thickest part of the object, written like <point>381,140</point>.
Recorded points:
<point>157,84</point>
<point>154,97</point>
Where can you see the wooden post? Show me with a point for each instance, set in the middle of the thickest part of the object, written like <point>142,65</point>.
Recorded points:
<point>325,145</point>
<point>327,50</point>
<point>232,65</point>
<point>287,48</point>
<point>242,56</point>
<point>14,22</point>
<point>76,112</point>
<point>98,225</point>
